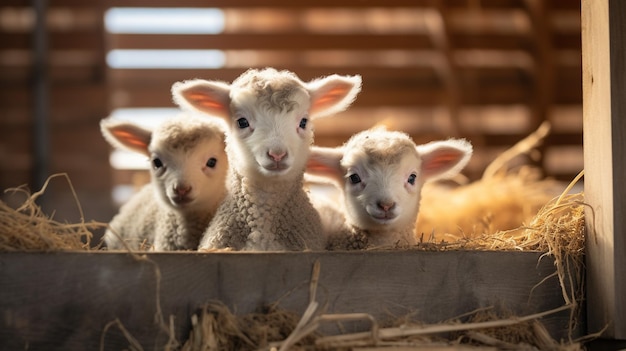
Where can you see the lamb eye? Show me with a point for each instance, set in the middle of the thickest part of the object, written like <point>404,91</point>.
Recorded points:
<point>211,162</point>
<point>412,178</point>
<point>157,163</point>
<point>243,123</point>
<point>303,123</point>
<point>355,179</point>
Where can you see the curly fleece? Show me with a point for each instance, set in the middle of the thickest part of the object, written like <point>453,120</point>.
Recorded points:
<point>142,217</point>
<point>273,217</point>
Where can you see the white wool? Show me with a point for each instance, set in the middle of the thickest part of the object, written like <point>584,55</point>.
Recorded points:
<point>188,171</point>
<point>269,114</point>
<point>380,175</point>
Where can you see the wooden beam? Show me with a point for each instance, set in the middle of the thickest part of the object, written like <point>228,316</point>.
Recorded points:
<point>296,4</point>
<point>62,301</point>
<point>269,41</point>
<point>604,123</point>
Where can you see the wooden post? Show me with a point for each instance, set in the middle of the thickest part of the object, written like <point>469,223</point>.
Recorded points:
<point>604,116</point>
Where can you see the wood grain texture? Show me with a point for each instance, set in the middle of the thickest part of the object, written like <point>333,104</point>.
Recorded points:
<point>604,108</point>
<point>62,301</point>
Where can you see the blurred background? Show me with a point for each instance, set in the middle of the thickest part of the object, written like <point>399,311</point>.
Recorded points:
<point>490,71</point>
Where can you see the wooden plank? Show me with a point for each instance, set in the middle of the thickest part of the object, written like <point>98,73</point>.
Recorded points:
<point>83,72</point>
<point>295,39</point>
<point>269,41</point>
<point>56,3</point>
<point>304,3</point>
<point>82,39</point>
<point>271,4</point>
<point>66,299</point>
<point>500,41</point>
<point>604,108</point>
<point>71,96</point>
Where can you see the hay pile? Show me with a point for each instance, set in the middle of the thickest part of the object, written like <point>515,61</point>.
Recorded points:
<point>503,202</point>
<point>557,227</point>
<point>215,327</point>
<point>506,197</point>
<point>28,228</point>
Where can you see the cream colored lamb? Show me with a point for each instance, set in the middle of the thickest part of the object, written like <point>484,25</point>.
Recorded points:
<point>270,116</point>
<point>188,171</point>
<point>380,174</point>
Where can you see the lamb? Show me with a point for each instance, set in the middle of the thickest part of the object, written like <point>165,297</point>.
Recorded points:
<point>188,172</point>
<point>269,114</point>
<point>380,174</point>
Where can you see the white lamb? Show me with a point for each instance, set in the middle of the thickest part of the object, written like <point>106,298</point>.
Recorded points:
<point>188,172</point>
<point>269,113</point>
<point>380,174</point>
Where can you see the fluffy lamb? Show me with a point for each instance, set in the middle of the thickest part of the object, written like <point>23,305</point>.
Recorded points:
<point>269,114</point>
<point>380,174</point>
<point>188,172</point>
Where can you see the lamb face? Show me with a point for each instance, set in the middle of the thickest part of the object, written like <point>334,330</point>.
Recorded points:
<point>381,174</point>
<point>189,178</point>
<point>381,183</point>
<point>270,128</point>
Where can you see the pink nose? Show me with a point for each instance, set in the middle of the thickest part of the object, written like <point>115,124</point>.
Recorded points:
<point>386,205</point>
<point>277,155</point>
<point>182,190</point>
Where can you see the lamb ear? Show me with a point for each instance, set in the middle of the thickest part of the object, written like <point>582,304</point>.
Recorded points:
<point>325,162</point>
<point>210,97</point>
<point>126,135</point>
<point>444,159</point>
<point>332,94</point>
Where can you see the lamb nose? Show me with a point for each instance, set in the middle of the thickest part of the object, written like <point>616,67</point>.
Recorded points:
<point>277,155</point>
<point>182,190</point>
<point>386,205</point>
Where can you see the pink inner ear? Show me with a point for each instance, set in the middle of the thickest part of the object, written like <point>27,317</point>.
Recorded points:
<point>331,97</point>
<point>205,101</point>
<point>442,161</point>
<point>325,165</point>
<point>130,139</point>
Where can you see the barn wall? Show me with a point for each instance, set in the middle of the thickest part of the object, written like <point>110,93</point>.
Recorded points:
<point>69,68</point>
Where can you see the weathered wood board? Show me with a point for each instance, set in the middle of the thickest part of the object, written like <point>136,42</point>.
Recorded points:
<point>604,112</point>
<point>62,301</point>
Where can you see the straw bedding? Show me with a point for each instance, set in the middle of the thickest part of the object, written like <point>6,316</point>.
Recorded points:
<point>28,228</point>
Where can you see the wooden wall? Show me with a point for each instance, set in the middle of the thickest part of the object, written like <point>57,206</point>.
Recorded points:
<point>490,71</point>
<point>63,84</point>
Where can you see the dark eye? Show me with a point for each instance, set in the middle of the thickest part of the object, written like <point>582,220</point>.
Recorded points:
<point>211,162</point>
<point>355,179</point>
<point>303,123</point>
<point>412,178</point>
<point>156,163</point>
<point>243,123</point>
